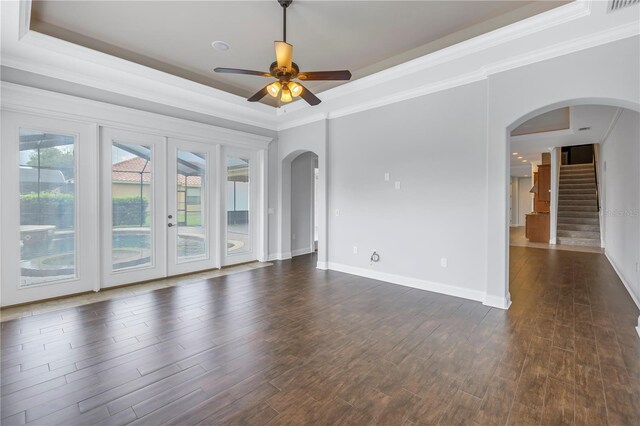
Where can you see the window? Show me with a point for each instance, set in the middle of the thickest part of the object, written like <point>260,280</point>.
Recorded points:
<point>47,207</point>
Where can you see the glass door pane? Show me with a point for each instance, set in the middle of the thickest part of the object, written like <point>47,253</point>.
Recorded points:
<point>238,196</point>
<point>132,206</point>
<point>47,207</point>
<point>191,202</point>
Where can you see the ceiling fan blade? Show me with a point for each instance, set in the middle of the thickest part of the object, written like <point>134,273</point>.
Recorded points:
<point>259,95</point>
<point>308,96</point>
<point>241,71</point>
<point>325,75</point>
<point>284,54</point>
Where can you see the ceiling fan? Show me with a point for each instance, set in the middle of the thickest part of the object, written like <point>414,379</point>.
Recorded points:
<point>285,71</point>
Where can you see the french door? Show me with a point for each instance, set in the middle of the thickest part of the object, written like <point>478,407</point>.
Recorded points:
<point>48,220</point>
<point>133,188</point>
<point>191,196</point>
<point>85,207</point>
<point>157,195</point>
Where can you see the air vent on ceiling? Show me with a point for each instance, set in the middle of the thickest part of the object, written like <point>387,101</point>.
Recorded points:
<point>621,4</point>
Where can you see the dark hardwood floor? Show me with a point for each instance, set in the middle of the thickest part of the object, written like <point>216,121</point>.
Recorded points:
<point>290,344</point>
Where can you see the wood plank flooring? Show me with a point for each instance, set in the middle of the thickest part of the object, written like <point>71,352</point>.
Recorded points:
<point>290,344</point>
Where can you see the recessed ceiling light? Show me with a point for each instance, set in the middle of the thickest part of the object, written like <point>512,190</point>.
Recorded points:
<point>515,153</point>
<point>524,161</point>
<point>519,158</point>
<point>220,45</point>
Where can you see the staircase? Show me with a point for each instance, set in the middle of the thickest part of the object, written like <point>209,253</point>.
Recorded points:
<point>578,217</point>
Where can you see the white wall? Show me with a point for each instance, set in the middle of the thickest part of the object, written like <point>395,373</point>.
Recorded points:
<point>273,164</point>
<point>435,146</point>
<point>620,164</point>
<point>449,150</point>
<point>302,206</point>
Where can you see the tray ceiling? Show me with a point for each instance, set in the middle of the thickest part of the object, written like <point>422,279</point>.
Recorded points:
<point>362,36</point>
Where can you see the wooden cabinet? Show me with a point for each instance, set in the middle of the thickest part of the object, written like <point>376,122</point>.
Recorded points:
<point>537,227</point>
<point>542,181</point>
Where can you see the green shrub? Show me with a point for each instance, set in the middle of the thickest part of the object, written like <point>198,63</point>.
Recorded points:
<point>58,209</point>
<point>50,208</point>
<point>130,211</point>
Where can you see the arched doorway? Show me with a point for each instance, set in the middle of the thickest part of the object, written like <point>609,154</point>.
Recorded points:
<point>616,161</point>
<point>304,173</point>
<point>302,206</point>
<point>534,99</point>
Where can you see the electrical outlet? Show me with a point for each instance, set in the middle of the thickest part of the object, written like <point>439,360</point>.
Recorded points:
<point>355,249</point>
<point>443,262</point>
<point>386,177</point>
<point>397,184</point>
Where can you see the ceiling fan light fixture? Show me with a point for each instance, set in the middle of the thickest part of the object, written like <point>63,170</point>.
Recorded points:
<point>274,89</point>
<point>286,95</point>
<point>285,70</point>
<point>295,88</point>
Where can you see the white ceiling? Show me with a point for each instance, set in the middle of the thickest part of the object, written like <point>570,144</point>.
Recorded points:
<point>530,147</point>
<point>558,119</point>
<point>362,36</point>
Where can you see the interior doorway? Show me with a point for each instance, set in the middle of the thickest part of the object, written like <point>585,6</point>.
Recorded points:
<point>304,214</point>
<point>554,163</point>
<point>594,185</point>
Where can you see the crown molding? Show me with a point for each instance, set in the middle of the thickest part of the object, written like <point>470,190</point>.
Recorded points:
<point>581,24</point>
<point>554,17</point>
<point>410,94</point>
<point>31,100</point>
<point>301,122</point>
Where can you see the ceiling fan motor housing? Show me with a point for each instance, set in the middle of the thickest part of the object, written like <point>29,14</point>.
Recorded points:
<point>284,75</point>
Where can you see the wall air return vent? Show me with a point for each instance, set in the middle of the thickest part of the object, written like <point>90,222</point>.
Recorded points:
<point>621,4</point>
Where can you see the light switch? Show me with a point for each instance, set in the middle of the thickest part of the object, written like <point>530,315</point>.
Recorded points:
<point>355,249</point>
<point>443,262</point>
<point>397,184</point>
<point>386,177</point>
<point>337,212</point>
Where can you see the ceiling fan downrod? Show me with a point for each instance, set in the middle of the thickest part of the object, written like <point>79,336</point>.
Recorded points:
<point>285,4</point>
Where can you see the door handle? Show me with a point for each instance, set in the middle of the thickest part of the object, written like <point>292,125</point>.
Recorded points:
<point>170,225</point>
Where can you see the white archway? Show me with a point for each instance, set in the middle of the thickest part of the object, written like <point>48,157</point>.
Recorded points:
<point>501,298</point>
<point>292,143</point>
<point>285,237</point>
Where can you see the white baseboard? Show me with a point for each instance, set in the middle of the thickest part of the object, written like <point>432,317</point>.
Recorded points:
<point>322,265</point>
<point>638,327</point>
<point>300,252</point>
<point>497,302</point>
<point>279,256</point>
<point>409,282</point>
<point>623,279</point>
